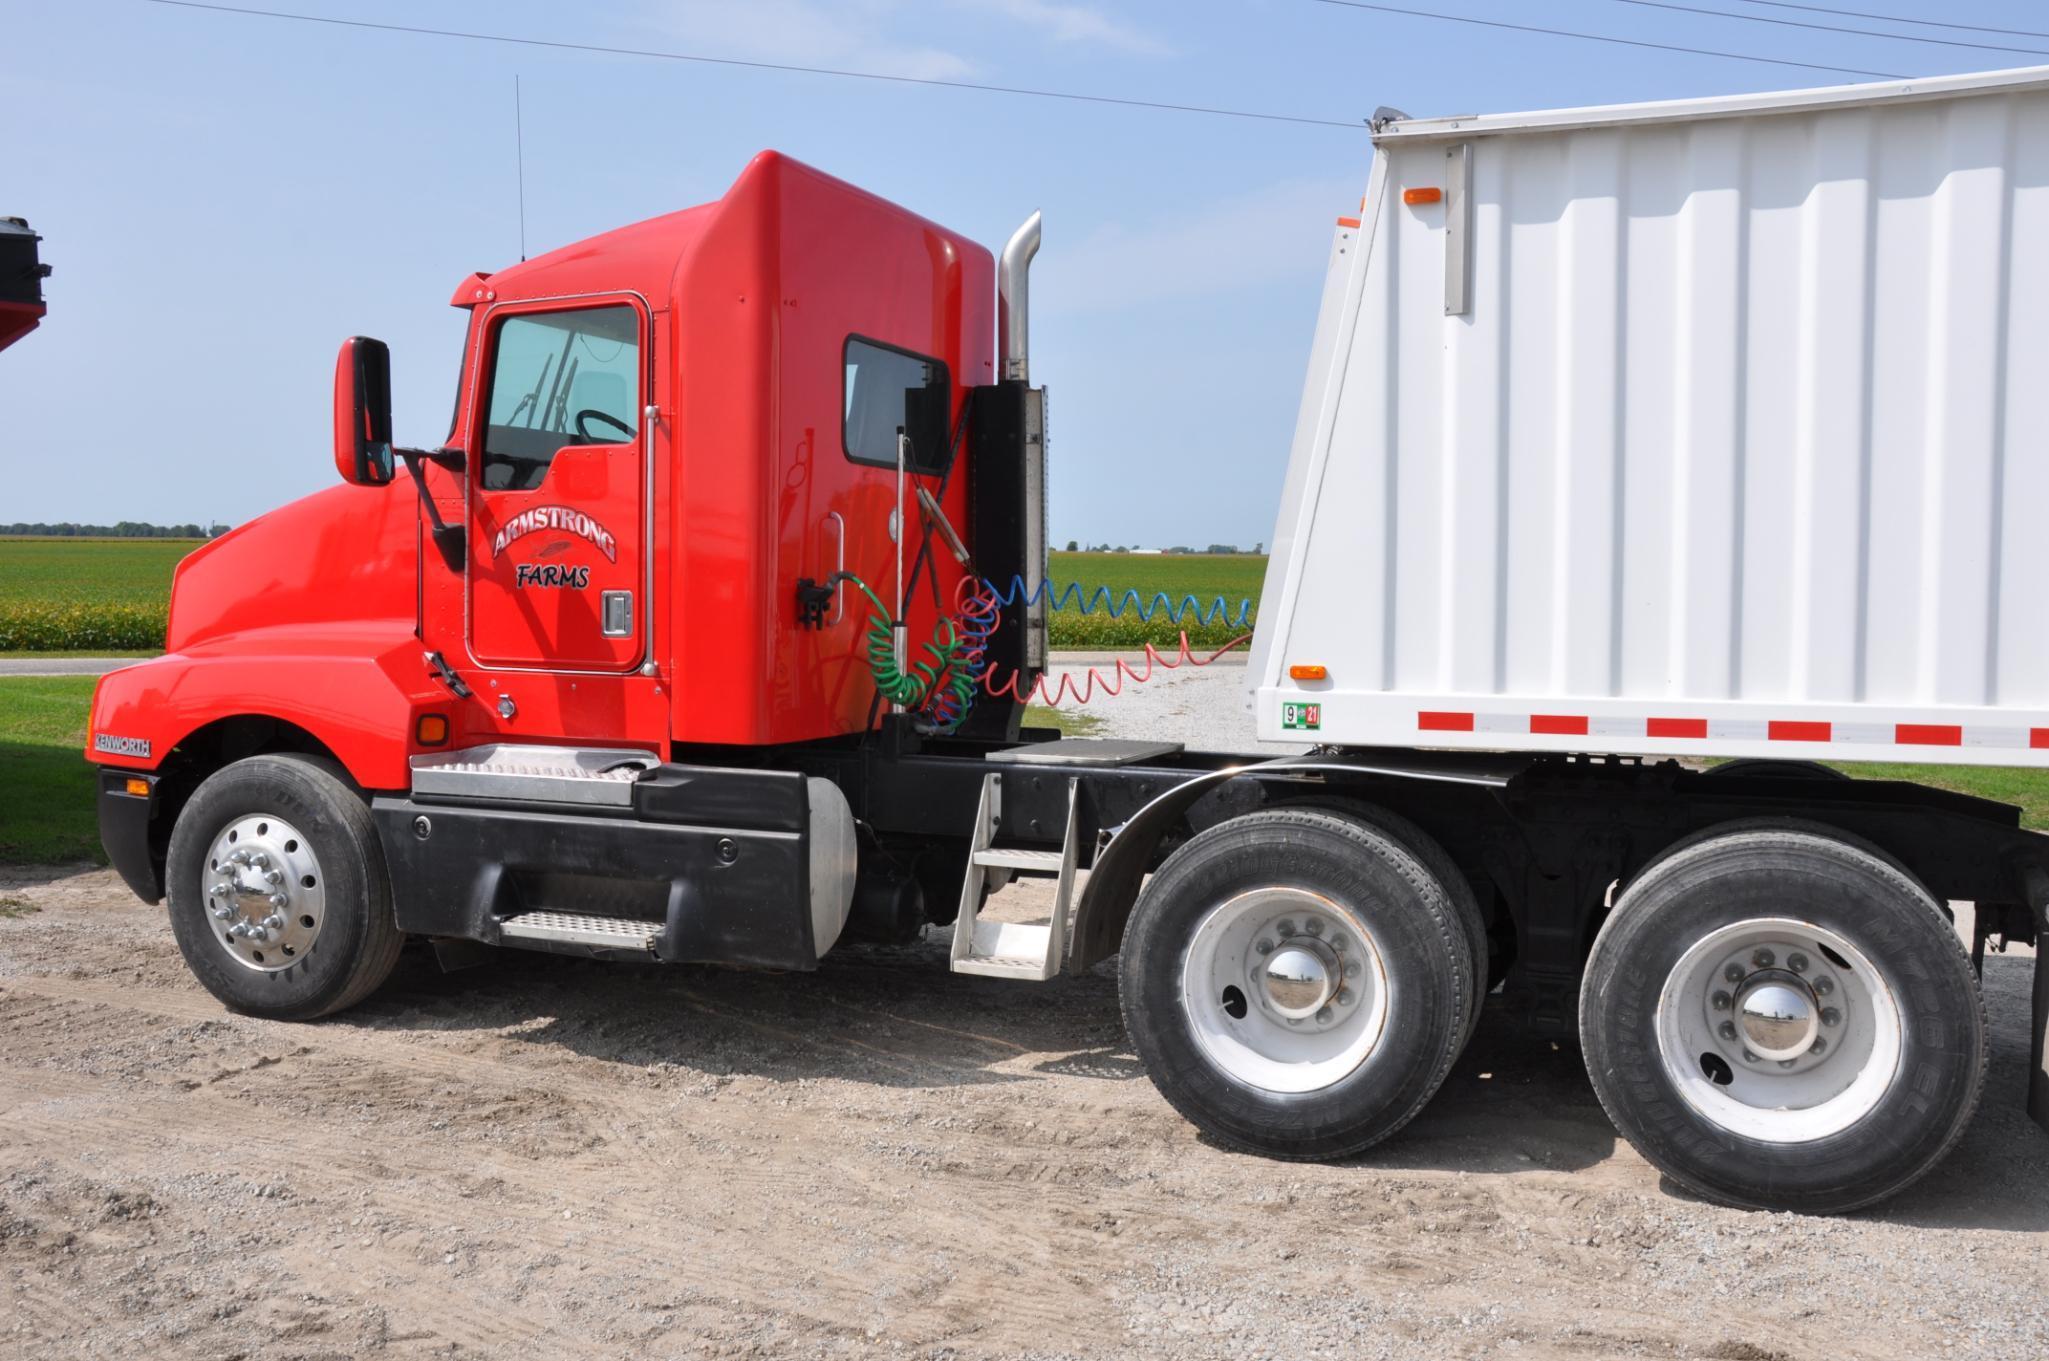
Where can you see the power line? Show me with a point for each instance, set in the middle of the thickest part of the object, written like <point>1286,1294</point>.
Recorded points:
<point>1829,28</point>
<point>600,49</point>
<point>1595,38</point>
<point>1897,19</point>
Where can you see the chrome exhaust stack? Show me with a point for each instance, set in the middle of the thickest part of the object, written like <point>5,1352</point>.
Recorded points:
<point>1013,300</point>
<point>1013,309</point>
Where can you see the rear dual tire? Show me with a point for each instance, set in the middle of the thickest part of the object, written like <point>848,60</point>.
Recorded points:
<point>1298,981</point>
<point>1778,1018</point>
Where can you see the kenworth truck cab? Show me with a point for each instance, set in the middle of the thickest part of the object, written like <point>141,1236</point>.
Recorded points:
<point>683,647</point>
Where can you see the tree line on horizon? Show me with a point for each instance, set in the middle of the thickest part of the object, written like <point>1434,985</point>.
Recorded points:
<point>1219,549</point>
<point>124,529</point>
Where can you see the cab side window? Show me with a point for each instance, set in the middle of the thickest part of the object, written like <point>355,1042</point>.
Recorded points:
<point>888,390</point>
<point>559,379</point>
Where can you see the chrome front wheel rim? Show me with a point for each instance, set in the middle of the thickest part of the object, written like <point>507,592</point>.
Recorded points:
<point>1285,990</point>
<point>266,898</point>
<point>1779,1030</point>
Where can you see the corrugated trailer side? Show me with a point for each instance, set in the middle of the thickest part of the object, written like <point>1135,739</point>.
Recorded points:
<point>1701,428</point>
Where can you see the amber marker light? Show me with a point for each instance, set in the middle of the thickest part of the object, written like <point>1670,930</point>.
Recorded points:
<point>431,730</point>
<point>1308,671</point>
<point>139,788</point>
<point>1416,198</point>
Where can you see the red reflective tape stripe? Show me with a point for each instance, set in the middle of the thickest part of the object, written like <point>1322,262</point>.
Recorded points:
<point>1928,734</point>
<point>1437,721</point>
<point>2038,737</point>
<point>1675,727</point>
<point>1781,731</point>
<point>1560,725</point>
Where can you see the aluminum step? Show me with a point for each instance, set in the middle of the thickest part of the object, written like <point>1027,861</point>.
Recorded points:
<point>997,949</point>
<point>1018,858</point>
<point>534,774</point>
<point>575,928</point>
<point>1008,950</point>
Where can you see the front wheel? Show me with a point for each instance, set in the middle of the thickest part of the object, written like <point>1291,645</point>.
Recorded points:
<point>1781,1019</point>
<point>1297,982</point>
<point>278,894</point>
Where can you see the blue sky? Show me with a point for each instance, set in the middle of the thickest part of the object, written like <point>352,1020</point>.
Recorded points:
<point>226,197</point>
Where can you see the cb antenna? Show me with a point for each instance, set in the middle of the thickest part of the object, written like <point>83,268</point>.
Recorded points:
<point>519,144</point>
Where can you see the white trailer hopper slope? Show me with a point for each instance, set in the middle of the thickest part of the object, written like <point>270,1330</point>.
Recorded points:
<point>1714,427</point>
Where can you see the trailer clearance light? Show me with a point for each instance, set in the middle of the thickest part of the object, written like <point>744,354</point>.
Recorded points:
<point>1308,671</point>
<point>1416,198</point>
<point>431,730</point>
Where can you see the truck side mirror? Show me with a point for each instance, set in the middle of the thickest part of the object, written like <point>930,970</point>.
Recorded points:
<point>362,412</point>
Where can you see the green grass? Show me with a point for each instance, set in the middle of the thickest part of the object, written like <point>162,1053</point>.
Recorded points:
<point>98,596</point>
<point>47,810</point>
<point>1177,576</point>
<point>1070,722</point>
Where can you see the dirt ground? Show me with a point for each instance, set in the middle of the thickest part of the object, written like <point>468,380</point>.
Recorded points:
<point>549,1158</point>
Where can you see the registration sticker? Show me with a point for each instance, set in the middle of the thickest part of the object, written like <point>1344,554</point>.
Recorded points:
<point>1304,717</point>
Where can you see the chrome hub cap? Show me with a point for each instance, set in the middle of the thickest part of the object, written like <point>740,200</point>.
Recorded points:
<point>1300,978</point>
<point>1777,1014</point>
<point>1284,989</point>
<point>264,892</point>
<point>1779,1030</point>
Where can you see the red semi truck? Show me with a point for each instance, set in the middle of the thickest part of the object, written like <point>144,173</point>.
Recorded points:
<point>628,668</point>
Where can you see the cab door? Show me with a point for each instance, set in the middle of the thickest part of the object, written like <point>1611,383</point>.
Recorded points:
<point>557,569</point>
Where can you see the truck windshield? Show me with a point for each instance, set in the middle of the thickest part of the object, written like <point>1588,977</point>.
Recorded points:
<point>558,379</point>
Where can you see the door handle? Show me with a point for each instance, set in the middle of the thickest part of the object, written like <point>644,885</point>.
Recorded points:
<point>616,614</point>
<point>839,585</point>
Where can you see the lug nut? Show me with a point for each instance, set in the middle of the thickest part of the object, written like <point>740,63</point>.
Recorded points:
<point>1763,959</point>
<point>273,877</point>
<point>1727,1030</point>
<point>222,913</point>
<point>1265,947</point>
<point>1722,1001</point>
<point>1337,940</point>
<point>1351,968</point>
<point>1285,926</point>
<point>274,922</point>
<point>1819,1046</point>
<point>1785,1063</point>
<point>1749,1057</point>
<point>1830,1016</point>
<point>279,900</point>
<point>1734,973</point>
<point>1313,927</point>
<point>1824,985</point>
<point>1797,962</point>
<point>1323,1016</point>
<point>1344,997</point>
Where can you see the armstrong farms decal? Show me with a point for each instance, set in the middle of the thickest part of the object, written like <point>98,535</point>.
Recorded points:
<point>560,518</point>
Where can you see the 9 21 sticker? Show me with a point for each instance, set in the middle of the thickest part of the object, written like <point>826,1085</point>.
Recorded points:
<point>1303,717</point>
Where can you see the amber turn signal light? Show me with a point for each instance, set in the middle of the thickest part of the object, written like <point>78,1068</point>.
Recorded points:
<point>1308,671</point>
<point>139,788</point>
<point>431,730</point>
<point>1416,198</point>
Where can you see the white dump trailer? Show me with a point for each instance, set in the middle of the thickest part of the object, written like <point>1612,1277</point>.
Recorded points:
<point>1715,427</point>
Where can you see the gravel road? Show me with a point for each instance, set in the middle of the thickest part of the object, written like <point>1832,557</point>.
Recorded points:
<point>550,1158</point>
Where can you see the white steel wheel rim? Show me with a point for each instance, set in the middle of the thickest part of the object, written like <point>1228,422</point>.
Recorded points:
<point>266,897</point>
<point>1250,986</point>
<point>1740,1016</point>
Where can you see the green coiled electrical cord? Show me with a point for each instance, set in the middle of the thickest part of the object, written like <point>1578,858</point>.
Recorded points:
<point>940,671</point>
